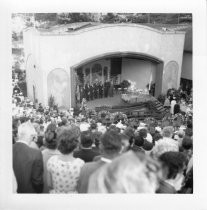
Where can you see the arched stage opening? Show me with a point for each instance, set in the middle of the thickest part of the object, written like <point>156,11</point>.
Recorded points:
<point>139,68</point>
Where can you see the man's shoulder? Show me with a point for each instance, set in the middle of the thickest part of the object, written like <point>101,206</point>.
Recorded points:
<point>92,165</point>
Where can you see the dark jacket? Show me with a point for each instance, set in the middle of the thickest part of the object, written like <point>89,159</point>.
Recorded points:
<point>28,168</point>
<point>85,174</point>
<point>85,154</point>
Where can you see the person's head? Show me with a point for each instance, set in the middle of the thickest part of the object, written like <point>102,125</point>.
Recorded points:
<point>51,136</point>
<point>96,138</point>
<point>125,142</point>
<point>143,133</point>
<point>110,143</point>
<point>173,163</point>
<point>67,141</point>
<point>163,146</point>
<point>130,133</point>
<point>147,146</point>
<point>187,143</point>
<point>129,173</point>
<point>138,141</point>
<point>189,132</point>
<point>167,131</point>
<point>86,139</point>
<point>26,132</point>
<point>93,127</point>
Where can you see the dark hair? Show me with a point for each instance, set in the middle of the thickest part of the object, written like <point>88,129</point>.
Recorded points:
<point>187,143</point>
<point>96,138</point>
<point>147,145</point>
<point>86,139</point>
<point>130,133</point>
<point>51,136</point>
<point>139,141</point>
<point>67,141</point>
<point>189,132</point>
<point>93,126</point>
<point>111,142</point>
<point>143,133</point>
<point>174,161</point>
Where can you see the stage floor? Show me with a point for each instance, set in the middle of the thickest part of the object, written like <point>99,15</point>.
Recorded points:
<point>114,101</point>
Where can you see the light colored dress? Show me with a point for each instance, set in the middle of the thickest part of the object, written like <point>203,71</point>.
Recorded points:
<point>65,175</point>
<point>47,154</point>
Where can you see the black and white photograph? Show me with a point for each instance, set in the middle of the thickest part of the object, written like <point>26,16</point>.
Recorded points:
<point>102,102</point>
<point>103,105</point>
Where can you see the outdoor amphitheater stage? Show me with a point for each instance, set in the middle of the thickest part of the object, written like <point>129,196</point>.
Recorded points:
<point>117,101</point>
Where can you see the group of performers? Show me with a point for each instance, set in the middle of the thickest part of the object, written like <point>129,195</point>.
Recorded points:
<point>94,91</point>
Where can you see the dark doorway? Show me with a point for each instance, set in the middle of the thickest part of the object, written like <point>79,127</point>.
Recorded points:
<point>116,66</point>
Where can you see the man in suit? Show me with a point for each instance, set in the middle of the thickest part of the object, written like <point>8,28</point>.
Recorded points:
<point>87,91</point>
<point>86,152</point>
<point>27,162</point>
<point>110,147</point>
<point>91,91</point>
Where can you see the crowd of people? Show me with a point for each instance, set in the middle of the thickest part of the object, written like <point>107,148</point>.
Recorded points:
<point>58,151</point>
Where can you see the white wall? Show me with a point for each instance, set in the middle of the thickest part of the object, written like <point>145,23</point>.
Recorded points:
<point>138,71</point>
<point>187,72</point>
<point>51,51</point>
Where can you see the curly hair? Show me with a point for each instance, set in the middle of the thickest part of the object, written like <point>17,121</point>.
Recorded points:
<point>68,141</point>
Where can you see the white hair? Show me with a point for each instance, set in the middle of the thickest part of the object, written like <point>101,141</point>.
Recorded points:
<point>25,131</point>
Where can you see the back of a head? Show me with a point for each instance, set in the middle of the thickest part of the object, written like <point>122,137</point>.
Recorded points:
<point>138,141</point>
<point>187,143</point>
<point>128,173</point>
<point>86,139</point>
<point>67,141</point>
<point>111,142</point>
<point>174,161</point>
<point>26,131</point>
<point>147,146</point>
<point>51,136</point>
<point>167,131</point>
<point>143,132</point>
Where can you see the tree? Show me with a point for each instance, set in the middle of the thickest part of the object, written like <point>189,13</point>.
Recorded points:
<point>44,17</point>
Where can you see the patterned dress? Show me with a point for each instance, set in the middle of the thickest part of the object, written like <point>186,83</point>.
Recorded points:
<point>64,174</point>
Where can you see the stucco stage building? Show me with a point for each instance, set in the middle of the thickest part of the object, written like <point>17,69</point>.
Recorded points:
<point>59,58</point>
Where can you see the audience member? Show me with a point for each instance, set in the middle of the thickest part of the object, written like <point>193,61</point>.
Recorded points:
<point>110,147</point>
<point>64,169</point>
<point>27,161</point>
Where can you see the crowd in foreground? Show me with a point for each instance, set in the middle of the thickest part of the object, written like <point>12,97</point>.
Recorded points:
<point>57,152</point>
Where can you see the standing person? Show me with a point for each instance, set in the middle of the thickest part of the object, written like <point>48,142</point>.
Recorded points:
<point>27,162</point>
<point>51,150</point>
<point>110,147</point>
<point>111,89</point>
<point>177,107</point>
<point>64,169</point>
<point>167,103</point>
<point>91,92</point>
<point>87,91</point>
<point>173,102</point>
<point>95,91</point>
<point>86,153</point>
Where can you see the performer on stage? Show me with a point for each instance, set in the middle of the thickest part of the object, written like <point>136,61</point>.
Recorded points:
<point>91,92</point>
<point>87,91</point>
<point>100,90</point>
<point>83,106</point>
<point>111,89</point>
<point>96,90</point>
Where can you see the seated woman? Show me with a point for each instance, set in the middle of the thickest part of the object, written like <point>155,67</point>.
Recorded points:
<point>64,169</point>
<point>129,173</point>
